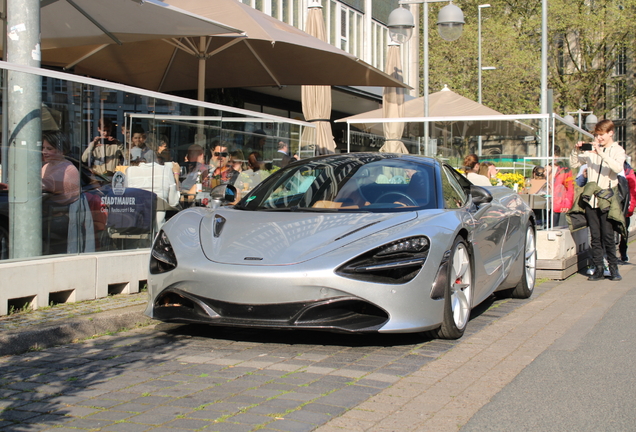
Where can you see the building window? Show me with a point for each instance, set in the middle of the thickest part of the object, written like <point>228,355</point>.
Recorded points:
<point>621,61</point>
<point>619,100</point>
<point>344,42</point>
<point>59,86</point>
<point>332,23</point>
<point>620,134</point>
<point>560,55</point>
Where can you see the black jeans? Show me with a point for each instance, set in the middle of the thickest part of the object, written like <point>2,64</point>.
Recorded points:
<point>602,236</point>
<point>622,246</point>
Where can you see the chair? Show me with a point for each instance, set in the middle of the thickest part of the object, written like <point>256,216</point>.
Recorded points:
<point>131,216</point>
<point>153,177</point>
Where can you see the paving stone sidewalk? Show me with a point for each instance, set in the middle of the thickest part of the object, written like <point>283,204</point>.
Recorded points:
<point>67,322</point>
<point>161,377</point>
<point>444,394</point>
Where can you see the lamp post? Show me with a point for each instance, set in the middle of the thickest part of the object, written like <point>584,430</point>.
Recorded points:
<point>450,24</point>
<point>479,68</point>
<point>590,120</point>
<point>544,74</point>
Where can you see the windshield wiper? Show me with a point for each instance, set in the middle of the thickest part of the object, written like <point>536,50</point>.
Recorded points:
<point>313,210</point>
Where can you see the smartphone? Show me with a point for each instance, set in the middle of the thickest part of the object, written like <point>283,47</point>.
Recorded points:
<point>586,147</point>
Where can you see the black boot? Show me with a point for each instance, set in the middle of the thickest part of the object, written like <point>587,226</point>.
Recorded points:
<point>597,275</point>
<point>614,274</point>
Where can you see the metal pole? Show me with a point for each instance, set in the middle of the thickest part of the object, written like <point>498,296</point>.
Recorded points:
<point>544,74</point>
<point>199,138</point>
<point>24,130</point>
<point>479,139</point>
<point>4,150</point>
<point>479,56</point>
<point>425,78</point>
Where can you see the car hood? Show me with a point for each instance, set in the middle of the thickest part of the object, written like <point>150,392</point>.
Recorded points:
<point>232,236</point>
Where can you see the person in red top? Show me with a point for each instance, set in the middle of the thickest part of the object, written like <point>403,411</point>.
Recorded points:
<point>562,187</point>
<point>631,181</point>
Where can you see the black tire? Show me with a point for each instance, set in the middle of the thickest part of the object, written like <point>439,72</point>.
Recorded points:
<point>458,292</point>
<point>525,287</point>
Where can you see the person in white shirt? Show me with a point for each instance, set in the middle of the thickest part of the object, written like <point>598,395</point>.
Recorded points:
<point>604,162</point>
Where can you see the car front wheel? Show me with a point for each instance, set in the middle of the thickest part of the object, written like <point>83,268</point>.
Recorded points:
<point>459,292</point>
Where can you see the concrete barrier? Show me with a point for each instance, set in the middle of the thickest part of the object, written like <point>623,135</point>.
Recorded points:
<point>39,282</point>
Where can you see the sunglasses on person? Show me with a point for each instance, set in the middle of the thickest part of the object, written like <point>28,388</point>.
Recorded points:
<point>222,154</point>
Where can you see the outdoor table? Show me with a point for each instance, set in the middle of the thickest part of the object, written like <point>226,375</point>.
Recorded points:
<point>536,202</point>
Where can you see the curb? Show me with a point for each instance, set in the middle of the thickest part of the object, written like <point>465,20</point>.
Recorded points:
<point>60,333</point>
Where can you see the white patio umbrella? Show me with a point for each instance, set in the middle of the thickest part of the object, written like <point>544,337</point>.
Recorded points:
<point>271,53</point>
<point>447,103</point>
<point>393,103</point>
<point>316,100</point>
<point>99,23</point>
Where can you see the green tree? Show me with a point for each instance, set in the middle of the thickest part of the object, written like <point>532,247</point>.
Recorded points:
<point>584,40</point>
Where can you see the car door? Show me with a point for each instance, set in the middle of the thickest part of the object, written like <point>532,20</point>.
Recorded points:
<point>488,232</point>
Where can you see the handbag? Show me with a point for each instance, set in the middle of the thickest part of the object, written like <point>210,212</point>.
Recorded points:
<point>606,194</point>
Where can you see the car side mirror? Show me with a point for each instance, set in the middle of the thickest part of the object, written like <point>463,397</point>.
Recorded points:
<point>480,195</point>
<point>224,193</point>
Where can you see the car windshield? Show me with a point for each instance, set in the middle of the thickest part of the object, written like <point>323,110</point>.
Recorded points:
<point>347,184</point>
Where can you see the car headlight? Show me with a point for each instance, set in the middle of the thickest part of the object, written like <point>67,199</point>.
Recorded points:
<point>395,263</point>
<point>162,257</point>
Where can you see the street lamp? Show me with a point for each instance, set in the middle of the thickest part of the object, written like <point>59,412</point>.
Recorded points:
<point>590,120</point>
<point>450,24</point>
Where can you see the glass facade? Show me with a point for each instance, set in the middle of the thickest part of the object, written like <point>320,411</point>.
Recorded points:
<point>88,166</point>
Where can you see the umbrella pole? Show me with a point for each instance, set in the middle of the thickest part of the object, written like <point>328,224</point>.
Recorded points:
<point>199,139</point>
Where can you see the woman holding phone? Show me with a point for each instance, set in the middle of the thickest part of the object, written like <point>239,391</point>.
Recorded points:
<point>604,162</point>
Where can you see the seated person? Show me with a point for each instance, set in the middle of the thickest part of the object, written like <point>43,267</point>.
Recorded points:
<point>140,152</point>
<point>195,167</point>
<point>282,158</point>
<point>256,172</point>
<point>223,172</point>
<point>104,153</point>
<point>60,178</point>
<point>471,167</point>
<point>538,184</point>
<point>61,184</point>
<point>165,157</point>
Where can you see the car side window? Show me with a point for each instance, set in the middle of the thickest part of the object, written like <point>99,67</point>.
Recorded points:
<point>454,194</point>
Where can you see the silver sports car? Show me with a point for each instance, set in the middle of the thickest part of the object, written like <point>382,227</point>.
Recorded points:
<point>361,242</point>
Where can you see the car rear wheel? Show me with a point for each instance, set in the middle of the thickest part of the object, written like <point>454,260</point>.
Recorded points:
<point>458,295</point>
<point>525,287</point>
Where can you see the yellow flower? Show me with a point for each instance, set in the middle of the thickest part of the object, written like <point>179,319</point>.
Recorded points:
<point>510,179</point>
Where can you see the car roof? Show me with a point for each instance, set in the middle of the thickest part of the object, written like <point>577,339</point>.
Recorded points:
<point>374,156</point>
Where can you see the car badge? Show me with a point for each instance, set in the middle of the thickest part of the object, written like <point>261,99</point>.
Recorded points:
<point>219,222</point>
